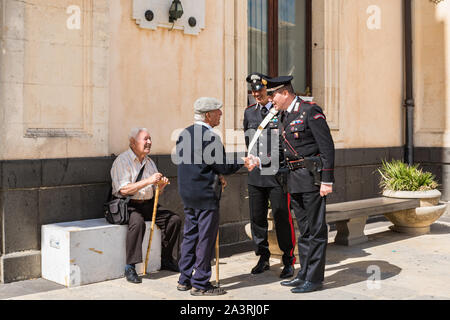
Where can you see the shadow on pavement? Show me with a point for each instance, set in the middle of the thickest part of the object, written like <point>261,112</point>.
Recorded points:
<point>246,279</point>
<point>360,271</point>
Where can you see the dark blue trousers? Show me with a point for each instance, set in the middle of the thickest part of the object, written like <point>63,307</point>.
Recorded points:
<point>197,248</point>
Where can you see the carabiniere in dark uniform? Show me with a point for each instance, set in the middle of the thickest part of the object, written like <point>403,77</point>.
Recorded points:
<point>308,154</point>
<point>263,185</point>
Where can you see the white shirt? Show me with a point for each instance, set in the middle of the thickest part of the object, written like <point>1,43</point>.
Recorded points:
<point>291,106</point>
<point>203,124</point>
<point>125,170</point>
<point>267,106</point>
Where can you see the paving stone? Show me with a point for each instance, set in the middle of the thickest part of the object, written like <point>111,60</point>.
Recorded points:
<point>411,267</point>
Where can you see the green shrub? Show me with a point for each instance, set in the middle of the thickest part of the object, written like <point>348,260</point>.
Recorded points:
<point>399,176</point>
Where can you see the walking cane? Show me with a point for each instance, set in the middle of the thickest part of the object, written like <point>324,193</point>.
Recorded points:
<point>217,253</point>
<point>217,260</point>
<point>152,228</point>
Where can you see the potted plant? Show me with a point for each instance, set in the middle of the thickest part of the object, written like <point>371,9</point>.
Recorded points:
<point>399,180</point>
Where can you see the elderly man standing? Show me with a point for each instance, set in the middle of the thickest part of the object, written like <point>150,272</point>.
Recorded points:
<point>124,173</point>
<point>201,160</point>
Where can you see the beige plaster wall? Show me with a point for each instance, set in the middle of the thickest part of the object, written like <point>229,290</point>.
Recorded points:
<point>358,72</point>
<point>77,93</point>
<point>53,88</point>
<point>431,74</point>
<point>157,75</point>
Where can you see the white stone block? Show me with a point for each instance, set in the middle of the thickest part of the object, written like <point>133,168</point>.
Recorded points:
<point>87,251</point>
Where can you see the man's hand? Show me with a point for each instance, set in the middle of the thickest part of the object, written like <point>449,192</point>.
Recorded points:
<point>325,189</point>
<point>154,178</point>
<point>222,181</point>
<point>250,162</point>
<point>162,183</point>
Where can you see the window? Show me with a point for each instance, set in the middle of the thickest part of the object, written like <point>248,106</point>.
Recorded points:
<point>279,39</point>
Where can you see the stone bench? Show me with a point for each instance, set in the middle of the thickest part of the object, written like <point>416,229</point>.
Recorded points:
<point>87,251</point>
<point>350,217</point>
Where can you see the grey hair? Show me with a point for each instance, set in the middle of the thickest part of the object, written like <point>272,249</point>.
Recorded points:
<point>135,131</point>
<point>200,116</point>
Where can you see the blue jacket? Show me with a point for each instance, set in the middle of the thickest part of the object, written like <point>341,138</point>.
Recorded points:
<point>201,158</point>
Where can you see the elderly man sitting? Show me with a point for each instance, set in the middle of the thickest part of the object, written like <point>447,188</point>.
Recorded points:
<point>124,173</point>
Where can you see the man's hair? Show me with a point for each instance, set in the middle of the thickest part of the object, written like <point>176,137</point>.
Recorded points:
<point>289,88</point>
<point>135,131</point>
<point>199,116</point>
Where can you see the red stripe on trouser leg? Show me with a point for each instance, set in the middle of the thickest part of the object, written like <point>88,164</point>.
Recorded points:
<point>292,228</point>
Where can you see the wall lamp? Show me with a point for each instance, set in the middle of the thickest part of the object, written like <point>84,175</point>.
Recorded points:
<point>175,11</point>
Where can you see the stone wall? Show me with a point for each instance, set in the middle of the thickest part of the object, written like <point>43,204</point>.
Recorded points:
<point>37,192</point>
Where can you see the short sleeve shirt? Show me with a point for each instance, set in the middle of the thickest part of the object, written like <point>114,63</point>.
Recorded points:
<point>125,170</point>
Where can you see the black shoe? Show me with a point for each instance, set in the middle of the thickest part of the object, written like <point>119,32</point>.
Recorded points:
<point>184,287</point>
<point>263,265</point>
<point>169,265</point>
<point>292,283</point>
<point>287,272</point>
<point>308,286</point>
<point>211,291</point>
<point>132,276</point>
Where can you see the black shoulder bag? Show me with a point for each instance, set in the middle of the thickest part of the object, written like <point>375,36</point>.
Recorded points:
<point>116,209</point>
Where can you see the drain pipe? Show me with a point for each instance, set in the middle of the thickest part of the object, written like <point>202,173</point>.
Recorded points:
<point>409,99</point>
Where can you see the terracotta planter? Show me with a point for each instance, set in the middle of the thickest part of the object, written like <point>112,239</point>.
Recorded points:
<point>416,221</point>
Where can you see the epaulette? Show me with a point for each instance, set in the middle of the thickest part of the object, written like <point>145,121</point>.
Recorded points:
<point>252,105</point>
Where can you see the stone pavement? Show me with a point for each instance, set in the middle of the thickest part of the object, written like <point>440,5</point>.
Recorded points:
<point>390,266</point>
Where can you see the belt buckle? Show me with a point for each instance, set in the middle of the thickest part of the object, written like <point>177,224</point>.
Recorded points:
<point>290,166</point>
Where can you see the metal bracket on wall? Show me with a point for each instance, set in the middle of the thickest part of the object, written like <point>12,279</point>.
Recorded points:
<point>153,14</point>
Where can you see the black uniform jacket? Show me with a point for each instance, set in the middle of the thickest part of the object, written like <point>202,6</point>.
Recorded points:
<point>263,147</point>
<point>307,133</point>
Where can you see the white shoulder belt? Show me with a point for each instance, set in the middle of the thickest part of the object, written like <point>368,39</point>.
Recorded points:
<point>261,127</point>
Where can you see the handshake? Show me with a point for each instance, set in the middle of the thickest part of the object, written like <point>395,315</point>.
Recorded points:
<point>250,162</point>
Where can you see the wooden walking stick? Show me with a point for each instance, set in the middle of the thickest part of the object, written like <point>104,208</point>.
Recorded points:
<point>217,246</point>
<point>155,206</point>
<point>217,260</point>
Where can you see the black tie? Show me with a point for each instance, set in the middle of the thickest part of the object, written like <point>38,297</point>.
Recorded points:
<point>283,116</point>
<point>264,112</point>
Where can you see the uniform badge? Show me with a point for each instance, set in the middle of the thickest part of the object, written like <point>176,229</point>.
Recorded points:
<point>296,106</point>
<point>293,123</point>
<point>318,116</point>
<point>296,135</point>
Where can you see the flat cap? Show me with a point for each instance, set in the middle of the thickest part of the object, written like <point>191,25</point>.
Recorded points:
<point>257,80</point>
<point>206,104</point>
<point>277,83</point>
